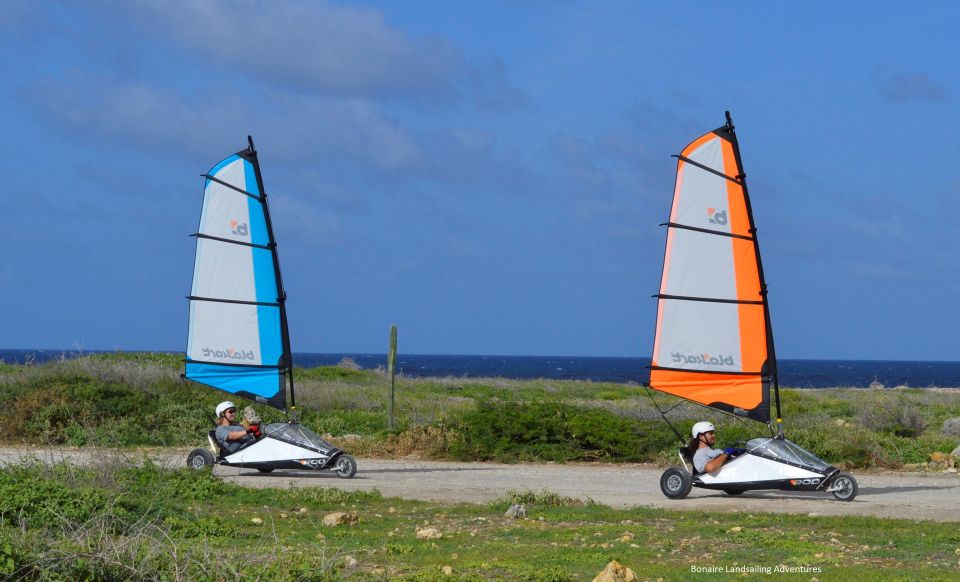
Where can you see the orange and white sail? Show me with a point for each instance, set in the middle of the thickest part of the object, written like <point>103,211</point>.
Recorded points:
<point>713,341</point>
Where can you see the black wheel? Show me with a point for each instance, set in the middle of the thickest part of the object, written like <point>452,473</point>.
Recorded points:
<point>200,459</point>
<point>732,491</point>
<point>346,467</point>
<point>264,469</point>
<point>844,487</point>
<point>675,483</point>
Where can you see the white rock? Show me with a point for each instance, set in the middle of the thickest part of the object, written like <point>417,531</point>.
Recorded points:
<point>340,518</point>
<point>516,511</point>
<point>429,533</point>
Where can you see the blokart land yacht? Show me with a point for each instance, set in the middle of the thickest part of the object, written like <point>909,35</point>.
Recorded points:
<point>714,341</point>
<point>238,340</point>
<point>282,445</point>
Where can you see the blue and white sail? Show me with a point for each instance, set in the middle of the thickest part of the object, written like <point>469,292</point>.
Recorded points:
<point>238,340</point>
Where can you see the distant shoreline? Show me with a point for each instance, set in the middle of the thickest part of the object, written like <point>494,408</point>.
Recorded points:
<point>793,373</point>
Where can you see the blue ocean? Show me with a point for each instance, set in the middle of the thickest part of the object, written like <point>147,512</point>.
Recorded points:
<point>793,373</point>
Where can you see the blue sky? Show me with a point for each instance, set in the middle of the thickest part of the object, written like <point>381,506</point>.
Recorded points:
<point>489,176</point>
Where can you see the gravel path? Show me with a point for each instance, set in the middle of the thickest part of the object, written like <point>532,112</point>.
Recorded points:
<point>923,496</point>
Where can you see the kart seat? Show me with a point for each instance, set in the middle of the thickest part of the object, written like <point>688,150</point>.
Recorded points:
<point>212,435</point>
<point>687,461</point>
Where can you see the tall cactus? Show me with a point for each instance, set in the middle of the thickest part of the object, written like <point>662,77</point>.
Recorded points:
<point>391,370</point>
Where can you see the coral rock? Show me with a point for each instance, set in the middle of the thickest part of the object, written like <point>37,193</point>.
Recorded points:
<point>429,533</point>
<point>340,518</point>
<point>516,511</point>
<point>616,572</point>
<point>951,427</point>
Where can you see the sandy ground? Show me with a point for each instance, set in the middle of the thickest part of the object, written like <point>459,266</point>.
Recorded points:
<point>921,496</point>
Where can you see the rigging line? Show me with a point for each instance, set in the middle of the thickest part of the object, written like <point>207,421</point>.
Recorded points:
<point>708,299</point>
<point>708,169</point>
<point>664,415</point>
<point>752,429</point>
<point>676,405</point>
<point>694,371</point>
<point>199,397</point>
<point>708,231</point>
<point>236,301</point>
<point>232,187</point>
<point>265,247</point>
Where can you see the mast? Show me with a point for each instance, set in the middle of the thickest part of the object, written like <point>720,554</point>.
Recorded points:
<point>287,359</point>
<point>771,363</point>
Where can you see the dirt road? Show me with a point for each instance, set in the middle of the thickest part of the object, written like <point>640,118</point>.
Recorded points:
<point>901,495</point>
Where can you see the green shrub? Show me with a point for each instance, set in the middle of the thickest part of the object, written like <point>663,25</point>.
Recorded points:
<point>611,395</point>
<point>894,414</point>
<point>551,431</point>
<point>41,497</point>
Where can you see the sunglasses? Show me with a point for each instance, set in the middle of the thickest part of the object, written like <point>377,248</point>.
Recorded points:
<point>230,411</point>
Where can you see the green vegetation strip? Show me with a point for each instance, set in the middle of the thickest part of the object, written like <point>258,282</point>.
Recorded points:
<point>143,522</point>
<point>122,400</point>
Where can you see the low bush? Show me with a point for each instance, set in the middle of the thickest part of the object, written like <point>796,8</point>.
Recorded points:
<point>895,415</point>
<point>551,431</point>
<point>127,400</point>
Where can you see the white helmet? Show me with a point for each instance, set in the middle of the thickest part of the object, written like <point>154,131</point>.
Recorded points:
<point>225,405</point>
<point>702,427</point>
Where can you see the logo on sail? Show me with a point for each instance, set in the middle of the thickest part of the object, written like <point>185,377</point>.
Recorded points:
<point>702,359</point>
<point>717,216</point>
<point>239,228</point>
<point>230,354</point>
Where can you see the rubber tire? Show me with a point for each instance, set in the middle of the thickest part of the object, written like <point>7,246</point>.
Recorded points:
<point>200,459</point>
<point>675,483</point>
<point>850,490</point>
<point>733,491</point>
<point>265,469</point>
<point>345,467</point>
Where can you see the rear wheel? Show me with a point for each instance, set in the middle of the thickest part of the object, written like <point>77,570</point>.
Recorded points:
<point>844,487</point>
<point>675,483</point>
<point>733,491</point>
<point>264,469</point>
<point>346,467</point>
<point>199,459</point>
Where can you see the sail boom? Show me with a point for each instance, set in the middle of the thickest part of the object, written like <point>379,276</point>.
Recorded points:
<point>668,368</point>
<point>252,366</point>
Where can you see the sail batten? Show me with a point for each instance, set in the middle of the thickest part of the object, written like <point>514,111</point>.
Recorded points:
<point>237,335</point>
<point>713,343</point>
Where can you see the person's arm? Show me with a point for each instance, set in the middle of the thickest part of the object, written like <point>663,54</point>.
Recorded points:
<point>715,463</point>
<point>236,435</point>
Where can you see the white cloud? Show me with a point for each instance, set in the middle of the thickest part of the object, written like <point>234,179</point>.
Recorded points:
<point>22,16</point>
<point>159,119</point>
<point>315,46</point>
<point>903,86</point>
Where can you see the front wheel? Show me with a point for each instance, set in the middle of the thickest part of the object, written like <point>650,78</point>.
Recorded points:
<point>346,467</point>
<point>844,487</point>
<point>265,469</point>
<point>675,483</point>
<point>199,459</point>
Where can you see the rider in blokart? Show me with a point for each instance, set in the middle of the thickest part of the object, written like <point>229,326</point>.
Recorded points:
<point>231,435</point>
<point>706,459</point>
